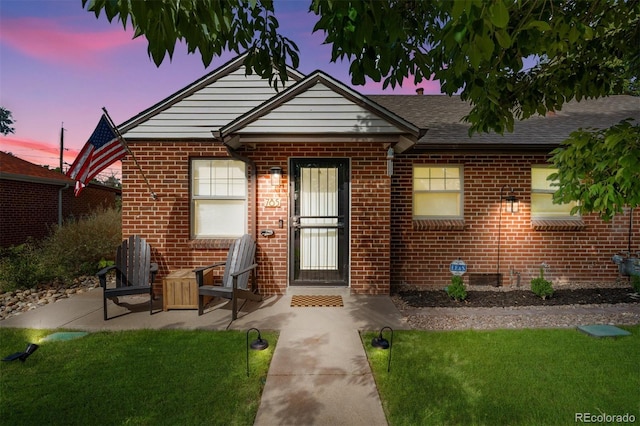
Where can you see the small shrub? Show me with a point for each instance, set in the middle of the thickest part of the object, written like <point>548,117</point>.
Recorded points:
<point>74,249</point>
<point>635,283</point>
<point>104,263</point>
<point>456,290</point>
<point>21,267</point>
<point>80,247</point>
<point>541,287</point>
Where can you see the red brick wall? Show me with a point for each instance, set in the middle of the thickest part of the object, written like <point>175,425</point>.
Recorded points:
<point>29,209</point>
<point>90,199</point>
<point>165,221</point>
<point>421,258</point>
<point>410,257</point>
<point>370,197</point>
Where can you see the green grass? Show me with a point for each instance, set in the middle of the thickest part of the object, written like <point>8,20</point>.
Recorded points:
<point>142,377</point>
<point>514,377</point>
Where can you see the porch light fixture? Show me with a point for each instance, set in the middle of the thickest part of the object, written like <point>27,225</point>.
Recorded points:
<point>276,175</point>
<point>22,356</point>
<point>512,201</point>
<point>513,207</point>
<point>259,344</point>
<point>380,342</point>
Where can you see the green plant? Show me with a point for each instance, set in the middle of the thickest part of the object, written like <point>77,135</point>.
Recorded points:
<point>104,263</point>
<point>21,266</point>
<point>456,290</point>
<point>635,283</point>
<point>78,246</point>
<point>541,287</point>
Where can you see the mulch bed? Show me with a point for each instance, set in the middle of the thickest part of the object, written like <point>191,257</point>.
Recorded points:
<point>491,299</point>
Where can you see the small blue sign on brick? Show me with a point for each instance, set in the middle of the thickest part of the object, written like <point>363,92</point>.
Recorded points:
<point>458,267</point>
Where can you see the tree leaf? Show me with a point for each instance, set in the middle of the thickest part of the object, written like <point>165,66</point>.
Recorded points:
<point>499,14</point>
<point>538,25</point>
<point>504,39</point>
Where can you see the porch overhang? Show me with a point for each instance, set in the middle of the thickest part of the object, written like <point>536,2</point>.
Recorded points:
<point>399,143</point>
<point>320,109</point>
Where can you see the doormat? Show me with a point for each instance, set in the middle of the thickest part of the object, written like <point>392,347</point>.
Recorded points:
<point>304,301</point>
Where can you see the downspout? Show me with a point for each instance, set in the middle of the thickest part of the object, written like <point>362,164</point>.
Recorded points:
<point>60,203</point>
<point>247,160</point>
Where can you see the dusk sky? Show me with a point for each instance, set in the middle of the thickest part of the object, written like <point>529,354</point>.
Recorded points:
<point>59,64</point>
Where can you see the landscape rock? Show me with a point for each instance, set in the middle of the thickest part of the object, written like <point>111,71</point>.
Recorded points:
<point>15,302</point>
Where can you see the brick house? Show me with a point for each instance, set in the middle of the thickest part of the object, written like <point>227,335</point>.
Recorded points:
<point>366,192</point>
<point>33,199</point>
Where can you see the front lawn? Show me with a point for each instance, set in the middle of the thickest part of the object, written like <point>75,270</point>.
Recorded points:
<point>144,377</point>
<point>514,377</point>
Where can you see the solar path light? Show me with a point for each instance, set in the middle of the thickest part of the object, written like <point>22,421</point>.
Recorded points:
<point>380,342</point>
<point>259,344</point>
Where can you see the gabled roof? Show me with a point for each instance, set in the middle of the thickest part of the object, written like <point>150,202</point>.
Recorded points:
<point>442,115</point>
<point>204,105</point>
<point>14,168</point>
<point>319,104</point>
<point>240,108</point>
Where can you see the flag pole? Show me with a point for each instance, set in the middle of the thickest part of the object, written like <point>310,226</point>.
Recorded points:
<point>124,143</point>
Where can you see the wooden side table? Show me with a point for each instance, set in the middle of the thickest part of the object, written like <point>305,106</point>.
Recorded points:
<point>180,290</point>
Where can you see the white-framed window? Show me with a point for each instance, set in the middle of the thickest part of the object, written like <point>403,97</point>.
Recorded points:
<point>542,206</point>
<point>437,192</point>
<point>218,198</point>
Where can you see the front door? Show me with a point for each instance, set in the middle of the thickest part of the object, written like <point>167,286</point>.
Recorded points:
<point>319,252</point>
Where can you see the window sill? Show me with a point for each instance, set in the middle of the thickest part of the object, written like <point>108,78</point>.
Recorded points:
<point>558,224</point>
<point>211,243</point>
<point>438,224</point>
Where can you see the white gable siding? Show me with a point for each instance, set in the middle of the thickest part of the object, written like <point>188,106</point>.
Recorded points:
<point>207,109</point>
<point>319,110</point>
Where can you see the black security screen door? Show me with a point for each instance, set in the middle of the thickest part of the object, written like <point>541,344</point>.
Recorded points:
<point>319,223</point>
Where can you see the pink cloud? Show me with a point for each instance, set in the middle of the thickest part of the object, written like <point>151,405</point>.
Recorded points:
<point>42,153</point>
<point>37,152</point>
<point>49,41</point>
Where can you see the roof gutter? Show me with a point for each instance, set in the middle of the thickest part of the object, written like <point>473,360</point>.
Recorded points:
<point>34,179</point>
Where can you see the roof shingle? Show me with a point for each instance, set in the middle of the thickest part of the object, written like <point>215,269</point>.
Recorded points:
<point>442,116</point>
<point>17,168</point>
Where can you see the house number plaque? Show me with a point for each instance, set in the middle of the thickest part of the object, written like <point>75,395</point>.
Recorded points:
<point>272,202</point>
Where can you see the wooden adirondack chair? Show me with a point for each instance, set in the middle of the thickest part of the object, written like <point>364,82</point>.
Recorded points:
<point>239,266</point>
<point>134,271</point>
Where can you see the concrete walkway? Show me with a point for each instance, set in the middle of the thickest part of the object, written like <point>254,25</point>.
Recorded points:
<point>319,374</point>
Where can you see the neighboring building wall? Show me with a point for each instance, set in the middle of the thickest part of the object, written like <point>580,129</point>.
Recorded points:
<point>30,209</point>
<point>91,198</point>
<point>421,258</point>
<point>165,221</point>
<point>27,210</point>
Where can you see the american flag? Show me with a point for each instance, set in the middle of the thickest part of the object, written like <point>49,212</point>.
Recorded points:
<point>103,149</point>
